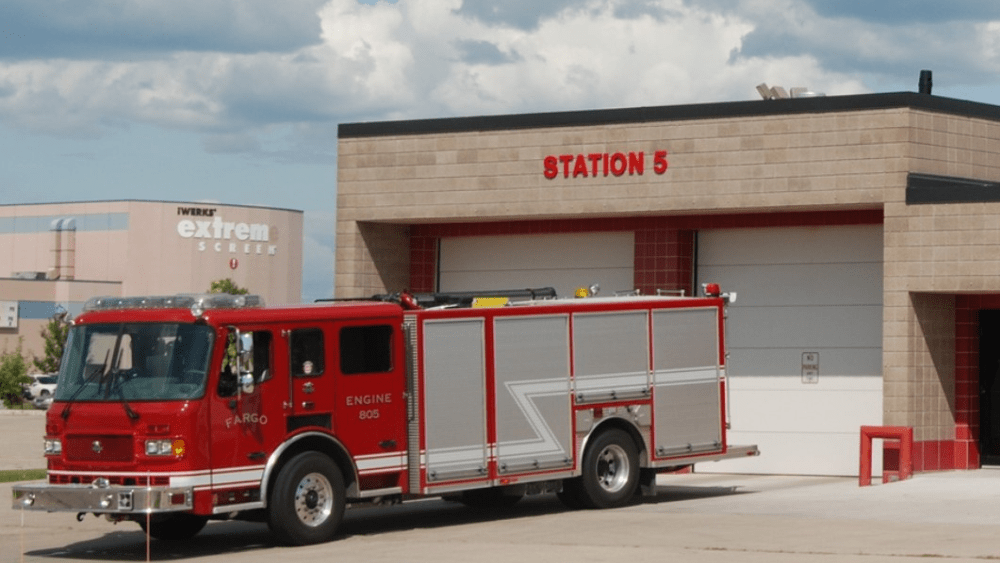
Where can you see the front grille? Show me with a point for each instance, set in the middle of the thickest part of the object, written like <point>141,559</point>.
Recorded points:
<point>120,480</point>
<point>99,448</point>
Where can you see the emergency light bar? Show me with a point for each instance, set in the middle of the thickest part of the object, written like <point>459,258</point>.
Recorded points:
<point>198,303</point>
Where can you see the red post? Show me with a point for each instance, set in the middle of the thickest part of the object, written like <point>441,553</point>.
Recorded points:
<point>904,434</point>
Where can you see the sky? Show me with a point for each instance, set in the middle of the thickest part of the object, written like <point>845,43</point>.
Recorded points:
<point>238,101</point>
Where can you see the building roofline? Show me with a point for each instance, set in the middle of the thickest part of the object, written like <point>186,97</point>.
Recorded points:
<point>621,116</point>
<point>167,202</point>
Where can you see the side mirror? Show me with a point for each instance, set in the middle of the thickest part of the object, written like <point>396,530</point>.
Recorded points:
<point>246,383</point>
<point>245,348</point>
<point>244,361</point>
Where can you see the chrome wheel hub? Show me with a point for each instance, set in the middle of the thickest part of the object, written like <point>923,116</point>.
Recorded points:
<point>314,499</point>
<point>612,468</point>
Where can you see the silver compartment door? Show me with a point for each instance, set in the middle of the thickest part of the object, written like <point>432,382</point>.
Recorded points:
<point>454,399</point>
<point>534,430</point>
<point>686,396</point>
<point>611,356</point>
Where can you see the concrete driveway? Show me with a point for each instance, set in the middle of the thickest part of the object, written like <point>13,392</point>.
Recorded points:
<point>701,517</point>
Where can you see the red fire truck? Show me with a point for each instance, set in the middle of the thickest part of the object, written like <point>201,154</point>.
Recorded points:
<point>172,411</point>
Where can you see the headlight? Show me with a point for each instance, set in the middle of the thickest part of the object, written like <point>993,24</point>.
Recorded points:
<point>165,447</point>
<point>157,447</point>
<point>53,447</point>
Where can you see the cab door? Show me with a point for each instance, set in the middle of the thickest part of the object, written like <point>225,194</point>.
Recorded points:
<point>311,377</point>
<point>371,401</point>
<point>247,421</point>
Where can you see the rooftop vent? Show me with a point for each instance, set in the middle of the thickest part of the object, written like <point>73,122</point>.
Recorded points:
<point>778,92</point>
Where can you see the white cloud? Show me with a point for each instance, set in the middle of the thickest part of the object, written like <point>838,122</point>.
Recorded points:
<point>430,58</point>
<point>588,57</point>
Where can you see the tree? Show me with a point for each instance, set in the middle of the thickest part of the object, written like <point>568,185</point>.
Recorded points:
<point>227,286</point>
<point>13,374</point>
<point>54,334</point>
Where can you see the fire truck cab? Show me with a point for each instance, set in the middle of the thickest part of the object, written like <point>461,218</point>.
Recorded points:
<point>172,411</point>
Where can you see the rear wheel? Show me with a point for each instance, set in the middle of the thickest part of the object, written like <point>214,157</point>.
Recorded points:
<point>174,527</point>
<point>307,503</point>
<point>610,471</point>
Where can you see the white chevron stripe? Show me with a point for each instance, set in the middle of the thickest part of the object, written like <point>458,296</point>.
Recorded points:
<point>525,393</point>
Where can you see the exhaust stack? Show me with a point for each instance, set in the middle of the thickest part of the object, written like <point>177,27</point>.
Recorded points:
<point>926,82</point>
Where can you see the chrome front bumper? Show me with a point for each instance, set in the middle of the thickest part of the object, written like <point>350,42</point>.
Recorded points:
<point>101,500</point>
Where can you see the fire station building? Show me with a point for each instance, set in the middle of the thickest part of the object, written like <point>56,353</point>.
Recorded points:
<point>860,233</point>
<point>53,257</point>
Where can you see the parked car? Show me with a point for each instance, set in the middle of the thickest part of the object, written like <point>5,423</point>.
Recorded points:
<point>42,388</point>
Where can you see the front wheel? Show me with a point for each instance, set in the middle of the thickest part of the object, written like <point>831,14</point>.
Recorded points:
<point>307,503</point>
<point>610,471</point>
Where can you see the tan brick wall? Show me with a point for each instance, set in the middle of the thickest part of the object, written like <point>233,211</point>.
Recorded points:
<point>919,377</point>
<point>933,251</point>
<point>377,257</point>
<point>715,165</point>
<point>748,164</point>
<point>720,165</point>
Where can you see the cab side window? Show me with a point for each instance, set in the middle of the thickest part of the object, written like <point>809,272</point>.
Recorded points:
<point>365,349</point>
<point>261,356</point>
<point>307,352</point>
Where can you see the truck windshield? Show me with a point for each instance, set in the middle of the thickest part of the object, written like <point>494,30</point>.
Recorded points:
<point>135,362</point>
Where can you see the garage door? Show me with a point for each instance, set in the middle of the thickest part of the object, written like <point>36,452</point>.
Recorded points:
<point>805,342</point>
<point>562,261</point>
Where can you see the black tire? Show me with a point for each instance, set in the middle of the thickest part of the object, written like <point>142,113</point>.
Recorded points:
<point>175,527</point>
<point>489,499</point>
<point>610,472</point>
<point>307,502</point>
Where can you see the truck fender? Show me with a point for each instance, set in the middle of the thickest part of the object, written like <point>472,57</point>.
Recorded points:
<point>310,441</point>
<point>615,421</point>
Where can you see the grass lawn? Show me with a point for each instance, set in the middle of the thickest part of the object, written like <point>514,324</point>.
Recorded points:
<point>9,475</point>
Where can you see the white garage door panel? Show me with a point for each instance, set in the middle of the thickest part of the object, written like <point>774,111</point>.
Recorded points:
<point>848,326</point>
<point>534,252</point>
<point>792,245</point>
<point>800,290</point>
<point>770,403</point>
<point>813,450</point>
<point>788,362</point>
<point>562,261</point>
<point>564,281</point>
<point>846,283</point>
<point>798,434</point>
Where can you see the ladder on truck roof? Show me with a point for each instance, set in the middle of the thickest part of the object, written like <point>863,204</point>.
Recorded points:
<point>465,298</point>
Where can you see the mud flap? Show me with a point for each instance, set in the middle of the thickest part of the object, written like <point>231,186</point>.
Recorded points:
<point>647,482</point>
